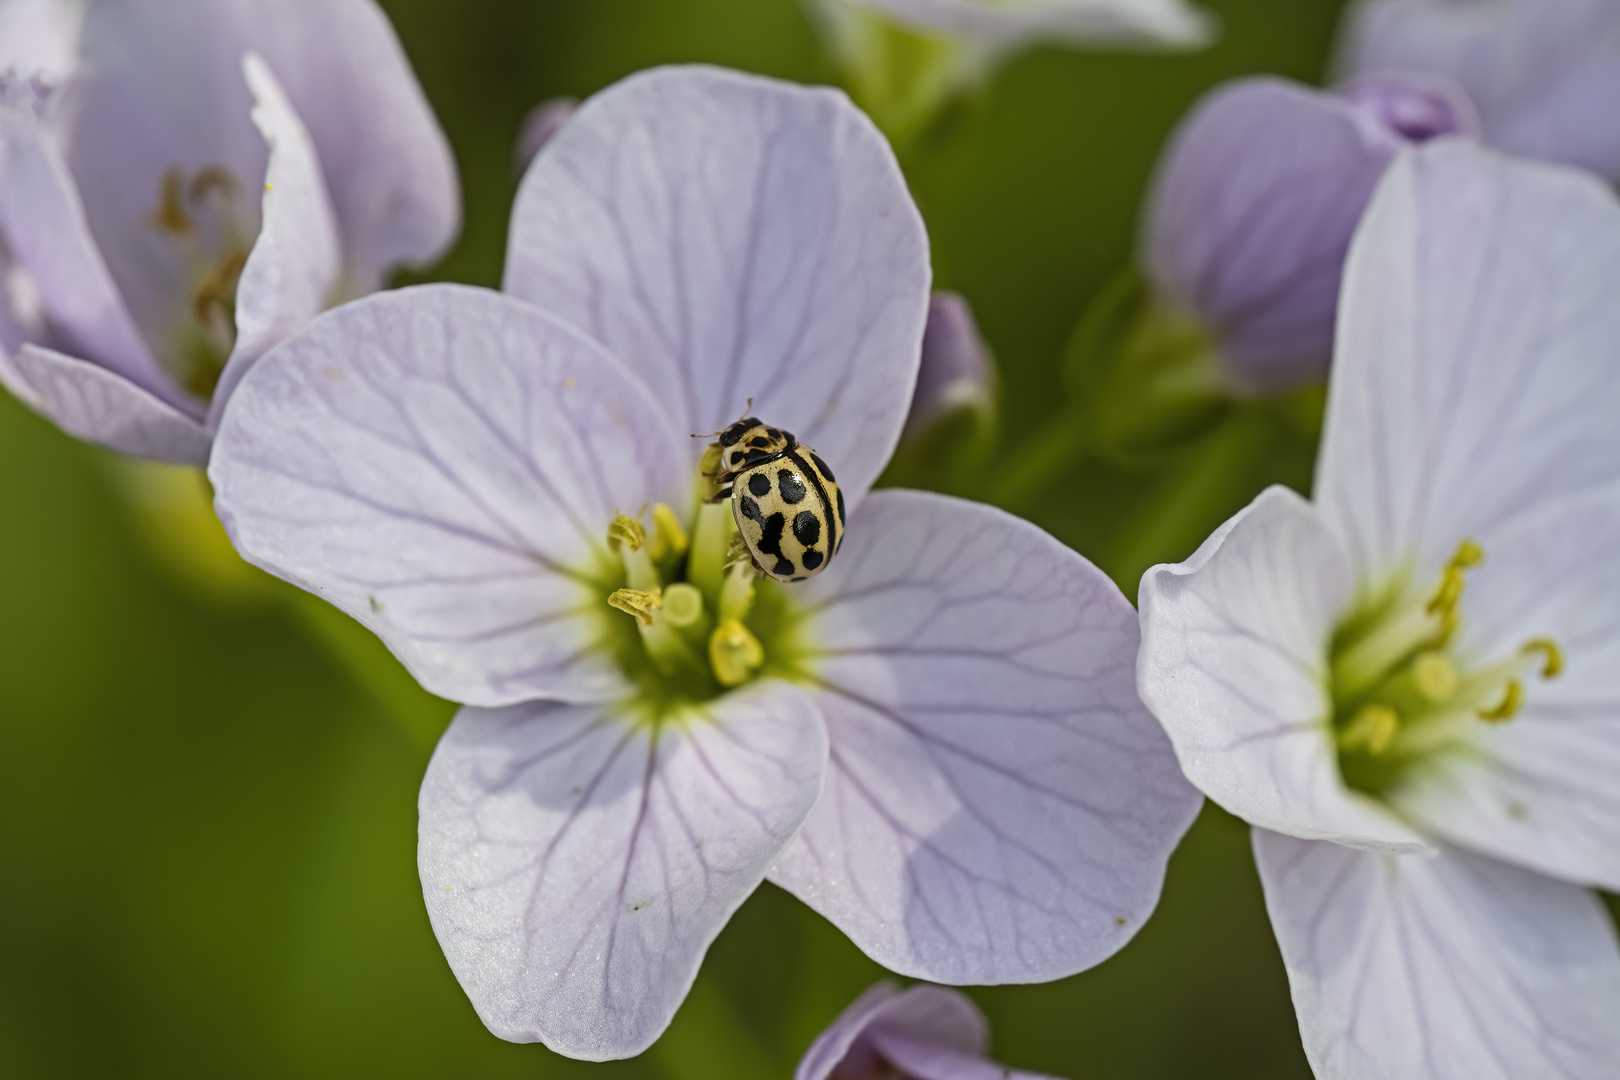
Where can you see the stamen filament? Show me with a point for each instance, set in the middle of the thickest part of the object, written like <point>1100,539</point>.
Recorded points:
<point>706,567</point>
<point>1369,661</point>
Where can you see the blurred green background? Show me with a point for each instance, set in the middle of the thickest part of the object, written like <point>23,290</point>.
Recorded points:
<point>207,817</point>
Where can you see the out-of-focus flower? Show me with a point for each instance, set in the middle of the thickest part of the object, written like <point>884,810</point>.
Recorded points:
<point>936,742</point>
<point>924,1033</point>
<point>1410,686</point>
<point>905,58</point>
<point>1253,207</point>
<point>1545,74</point>
<point>542,122</point>
<point>165,244</point>
<point>956,372</point>
<point>40,37</point>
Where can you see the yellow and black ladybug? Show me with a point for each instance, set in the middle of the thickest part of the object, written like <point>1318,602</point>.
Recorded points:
<point>786,503</point>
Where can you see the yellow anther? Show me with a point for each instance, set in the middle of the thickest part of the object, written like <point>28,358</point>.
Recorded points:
<point>1469,554</point>
<point>669,537</point>
<point>625,532</point>
<point>683,604</point>
<point>1434,676</point>
<point>638,603</point>
<point>1373,728</point>
<point>170,215</point>
<point>734,653</point>
<point>1512,698</point>
<point>1552,657</point>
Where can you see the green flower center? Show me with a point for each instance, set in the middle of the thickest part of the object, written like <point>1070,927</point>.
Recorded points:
<point>1399,691</point>
<point>686,615</point>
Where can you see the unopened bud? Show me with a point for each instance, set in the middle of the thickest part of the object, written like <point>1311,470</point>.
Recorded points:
<point>956,371</point>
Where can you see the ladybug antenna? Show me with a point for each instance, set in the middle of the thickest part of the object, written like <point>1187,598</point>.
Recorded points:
<point>716,434</point>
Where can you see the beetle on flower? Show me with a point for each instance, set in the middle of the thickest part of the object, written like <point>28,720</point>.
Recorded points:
<point>935,742</point>
<point>161,244</point>
<point>1410,687</point>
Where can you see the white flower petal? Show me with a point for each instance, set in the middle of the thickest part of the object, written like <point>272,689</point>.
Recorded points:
<point>43,219</point>
<point>1541,789</point>
<point>1473,381</point>
<point>999,806</point>
<point>295,261</point>
<point>731,238</point>
<point>1234,665</point>
<point>102,407</point>
<point>1453,967</point>
<point>443,463</point>
<point>40,37</point>
<point>998,26</point>
<point>576,867</point>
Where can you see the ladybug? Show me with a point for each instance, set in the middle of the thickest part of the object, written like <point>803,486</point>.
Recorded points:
<point>785,501</point>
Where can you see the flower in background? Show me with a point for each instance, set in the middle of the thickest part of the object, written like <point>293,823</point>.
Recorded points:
<point>1251,213</point>
<point>1545,74</point>
<point>40,37</point>
<point>936,742</point>
<point>924,1033</point>
<point>956,373</point>
<point>157,244</point>
<point>1411,687</point>
<point>907,57</point>
<point>542,122</point>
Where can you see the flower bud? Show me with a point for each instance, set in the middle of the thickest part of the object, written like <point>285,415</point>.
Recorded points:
<point>956,372</point>
<point>537,129</point>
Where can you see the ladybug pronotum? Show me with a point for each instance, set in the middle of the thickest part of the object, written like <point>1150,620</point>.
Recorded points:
<point>786,503</point>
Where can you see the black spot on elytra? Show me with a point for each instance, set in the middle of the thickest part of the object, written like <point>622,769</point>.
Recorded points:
<point>812,559</point>
<point>736,431</point>
<point>770,541</point>
<point>773,433</point>
<point>760,441</point>
<point>783,568</point>
<point>792,488</point>
<point>750,508</point>
<point>755,455</point>
<point>759,484</point>
<point>807,528</point>
<point>822,465</point>
<point>840,507</point>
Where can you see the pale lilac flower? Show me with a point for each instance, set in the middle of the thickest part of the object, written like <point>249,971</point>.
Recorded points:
<point>1252,210</point>
<point>956,371</point>
<point>40,37</point>
<point>924,1033</point>
<point>213,176</point>
<point>1545,74</point>
<point>936,742</point>
<point>542,122</point>
<point>1411,686</point>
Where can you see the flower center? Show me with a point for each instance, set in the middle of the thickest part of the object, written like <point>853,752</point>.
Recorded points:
<point>200,215</point>
<point>1399,692</point>
<point>697,619</point>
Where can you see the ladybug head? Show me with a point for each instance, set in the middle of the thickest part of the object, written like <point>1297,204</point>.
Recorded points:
<point>729,437</point>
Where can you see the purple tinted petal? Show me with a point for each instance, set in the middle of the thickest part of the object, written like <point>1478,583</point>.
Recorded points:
<point>924,1059</point>
<point>295,260</point>
<point>102,407</point>
<point>999,806</point>
<point>443,464</point>
<point>1544,73</point>
<point>1451,967</point>
<point>542,122</point>
<point>1414,107</point>
<point>956,370</point>
<point>1250,217</point>
<point>576,866</point>
<point>834,1046</point>
<point>735,238</point>
<point>1235,665</point>
<point>40,37</point>
<point>45,228</point>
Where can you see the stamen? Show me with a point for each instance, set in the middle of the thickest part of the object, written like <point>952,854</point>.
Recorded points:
<point>170,215</point>
<point>625,532</point>
<point>1552,664</point>
<point>683,605</point>
<point>212,178</point>
<point>638,603</point>
<point>1434,676</point>
<point>1512,699</point>
<point>737,594</point>
<point>734,653</point>
<point>1452,582</point>
<point>669,538</point>
<point>1373,728</point>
